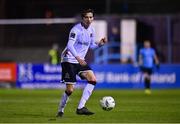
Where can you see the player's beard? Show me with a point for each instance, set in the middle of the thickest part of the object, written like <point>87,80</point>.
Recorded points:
<point>86,24</point>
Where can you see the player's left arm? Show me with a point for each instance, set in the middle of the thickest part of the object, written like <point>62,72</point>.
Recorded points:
<point>156,61</point>
<point>140,58</point>
<point>98,44</point>
<point>102,41</point>
<point>94,43</point>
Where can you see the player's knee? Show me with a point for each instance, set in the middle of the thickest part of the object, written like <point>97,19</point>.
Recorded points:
<point>92,81</point>
<point>91,78</point>
<point>147,79</point>
<point>69,92</point>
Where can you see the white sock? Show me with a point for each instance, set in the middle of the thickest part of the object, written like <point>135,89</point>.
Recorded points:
<point>63,102</point>
<point>86,94</point>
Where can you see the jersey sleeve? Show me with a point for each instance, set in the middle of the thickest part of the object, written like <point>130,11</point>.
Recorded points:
<point>141,52</point>
<point>153,52</point>
<point>93,44</point>
<point>72,39</point>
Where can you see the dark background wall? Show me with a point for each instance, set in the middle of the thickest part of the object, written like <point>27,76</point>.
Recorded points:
<point>20,40</point>
<point>69,8</point>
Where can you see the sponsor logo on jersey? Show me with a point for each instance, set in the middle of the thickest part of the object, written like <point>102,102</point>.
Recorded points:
<point>83,43</point>
<point>72,35</point>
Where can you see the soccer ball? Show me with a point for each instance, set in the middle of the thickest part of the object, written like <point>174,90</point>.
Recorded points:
<point>107,103</point>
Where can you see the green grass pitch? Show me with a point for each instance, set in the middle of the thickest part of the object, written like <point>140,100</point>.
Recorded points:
<point>24,106</point>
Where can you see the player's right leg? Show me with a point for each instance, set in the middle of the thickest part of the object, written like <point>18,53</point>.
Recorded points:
<point>64,99</point>
<point>69,78</point>
<point>147,83</point>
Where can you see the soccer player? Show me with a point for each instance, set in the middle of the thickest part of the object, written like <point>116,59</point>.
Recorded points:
<point>54,54</point>
<point>81,38</point>
<point>147,56</point>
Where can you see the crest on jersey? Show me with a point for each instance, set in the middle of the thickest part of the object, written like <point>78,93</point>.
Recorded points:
<point>72,35</point>
<point>91,35</point>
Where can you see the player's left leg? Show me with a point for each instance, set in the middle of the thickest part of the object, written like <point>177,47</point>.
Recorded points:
<point>90,77</point>
<point>147,83</point>
<point>64,99</point>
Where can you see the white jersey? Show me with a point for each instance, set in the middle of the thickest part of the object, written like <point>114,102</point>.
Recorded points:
<point>80,39</point>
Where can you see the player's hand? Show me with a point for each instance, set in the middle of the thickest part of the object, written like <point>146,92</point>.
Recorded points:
<point>141,67</point>
<point>102,41</point>
<point>158,66</point>
<point>81,61</point>
<point>135,64</point>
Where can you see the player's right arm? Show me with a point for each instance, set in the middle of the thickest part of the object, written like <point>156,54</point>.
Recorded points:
<point>140,58</point>
<point>70,46</point>
<point>71,42</point>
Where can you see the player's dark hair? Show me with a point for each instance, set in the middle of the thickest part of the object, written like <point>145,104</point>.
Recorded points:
<point>147,41</point>
<point>85,11</point>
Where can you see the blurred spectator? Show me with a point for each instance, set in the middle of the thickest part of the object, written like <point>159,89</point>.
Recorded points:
<point>54,57</point>
<point>115,35</point>
<point>48,15</point>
